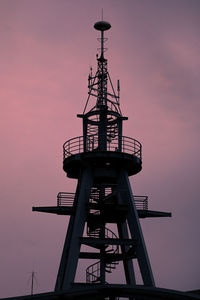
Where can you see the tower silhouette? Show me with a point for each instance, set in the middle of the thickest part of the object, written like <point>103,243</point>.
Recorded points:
<point>102,160</point>
<point>104,226</point>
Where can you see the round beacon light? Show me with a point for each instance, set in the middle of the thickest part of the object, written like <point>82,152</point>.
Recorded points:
<point>102,25</point>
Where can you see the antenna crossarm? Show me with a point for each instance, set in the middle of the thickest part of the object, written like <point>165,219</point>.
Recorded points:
<point>109,94</point>
<point>91,94</point>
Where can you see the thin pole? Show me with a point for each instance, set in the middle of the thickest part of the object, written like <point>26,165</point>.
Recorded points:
<point>102,44</point>
<point>32,282</point>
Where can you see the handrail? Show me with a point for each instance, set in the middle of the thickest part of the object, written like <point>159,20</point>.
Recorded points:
<point>93,271</point>
<point>141,202</point>
<point>77,145</point>
<point>67,199</point>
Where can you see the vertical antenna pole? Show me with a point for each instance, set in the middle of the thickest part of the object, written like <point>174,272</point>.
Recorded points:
<point>102,43</point>
<point>32,282</point>
<point>118,90</point>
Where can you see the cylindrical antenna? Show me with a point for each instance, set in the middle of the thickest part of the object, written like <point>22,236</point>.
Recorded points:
<point>118,86</point>
<point>102,26</point>
<point>118,89</point>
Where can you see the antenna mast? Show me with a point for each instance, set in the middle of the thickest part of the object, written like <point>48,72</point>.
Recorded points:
<point>33,279</point>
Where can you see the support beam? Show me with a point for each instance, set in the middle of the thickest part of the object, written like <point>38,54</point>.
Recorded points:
<point>94,242</point>
<point>72,243</point>
<point>108,257</point>
<point>135,229</point>
<point>127,263</point>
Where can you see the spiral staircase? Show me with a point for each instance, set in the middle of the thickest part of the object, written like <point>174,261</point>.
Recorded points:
<point>98,230</point>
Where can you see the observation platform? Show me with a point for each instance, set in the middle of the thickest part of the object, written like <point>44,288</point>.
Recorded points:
<point>78,153</point>
<point>66,206</point>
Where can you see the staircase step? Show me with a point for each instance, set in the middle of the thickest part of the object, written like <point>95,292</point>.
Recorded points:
<point>110,250</point>
<point>108,271</point>
<point>110,266</point>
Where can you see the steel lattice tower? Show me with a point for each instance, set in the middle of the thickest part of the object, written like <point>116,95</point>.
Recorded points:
<point>102,160</point>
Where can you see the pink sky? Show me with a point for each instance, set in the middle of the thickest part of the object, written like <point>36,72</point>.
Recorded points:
<point>46,50</point>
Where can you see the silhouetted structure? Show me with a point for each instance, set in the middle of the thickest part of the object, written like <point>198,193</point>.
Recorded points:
<point>104,222</point>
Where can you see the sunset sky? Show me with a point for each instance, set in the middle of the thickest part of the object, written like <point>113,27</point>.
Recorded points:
<point>46,50</point>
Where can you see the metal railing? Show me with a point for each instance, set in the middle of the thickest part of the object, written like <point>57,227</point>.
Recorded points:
<point>77,145</point>
<point>67,199</point>
<point>141,202</point>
